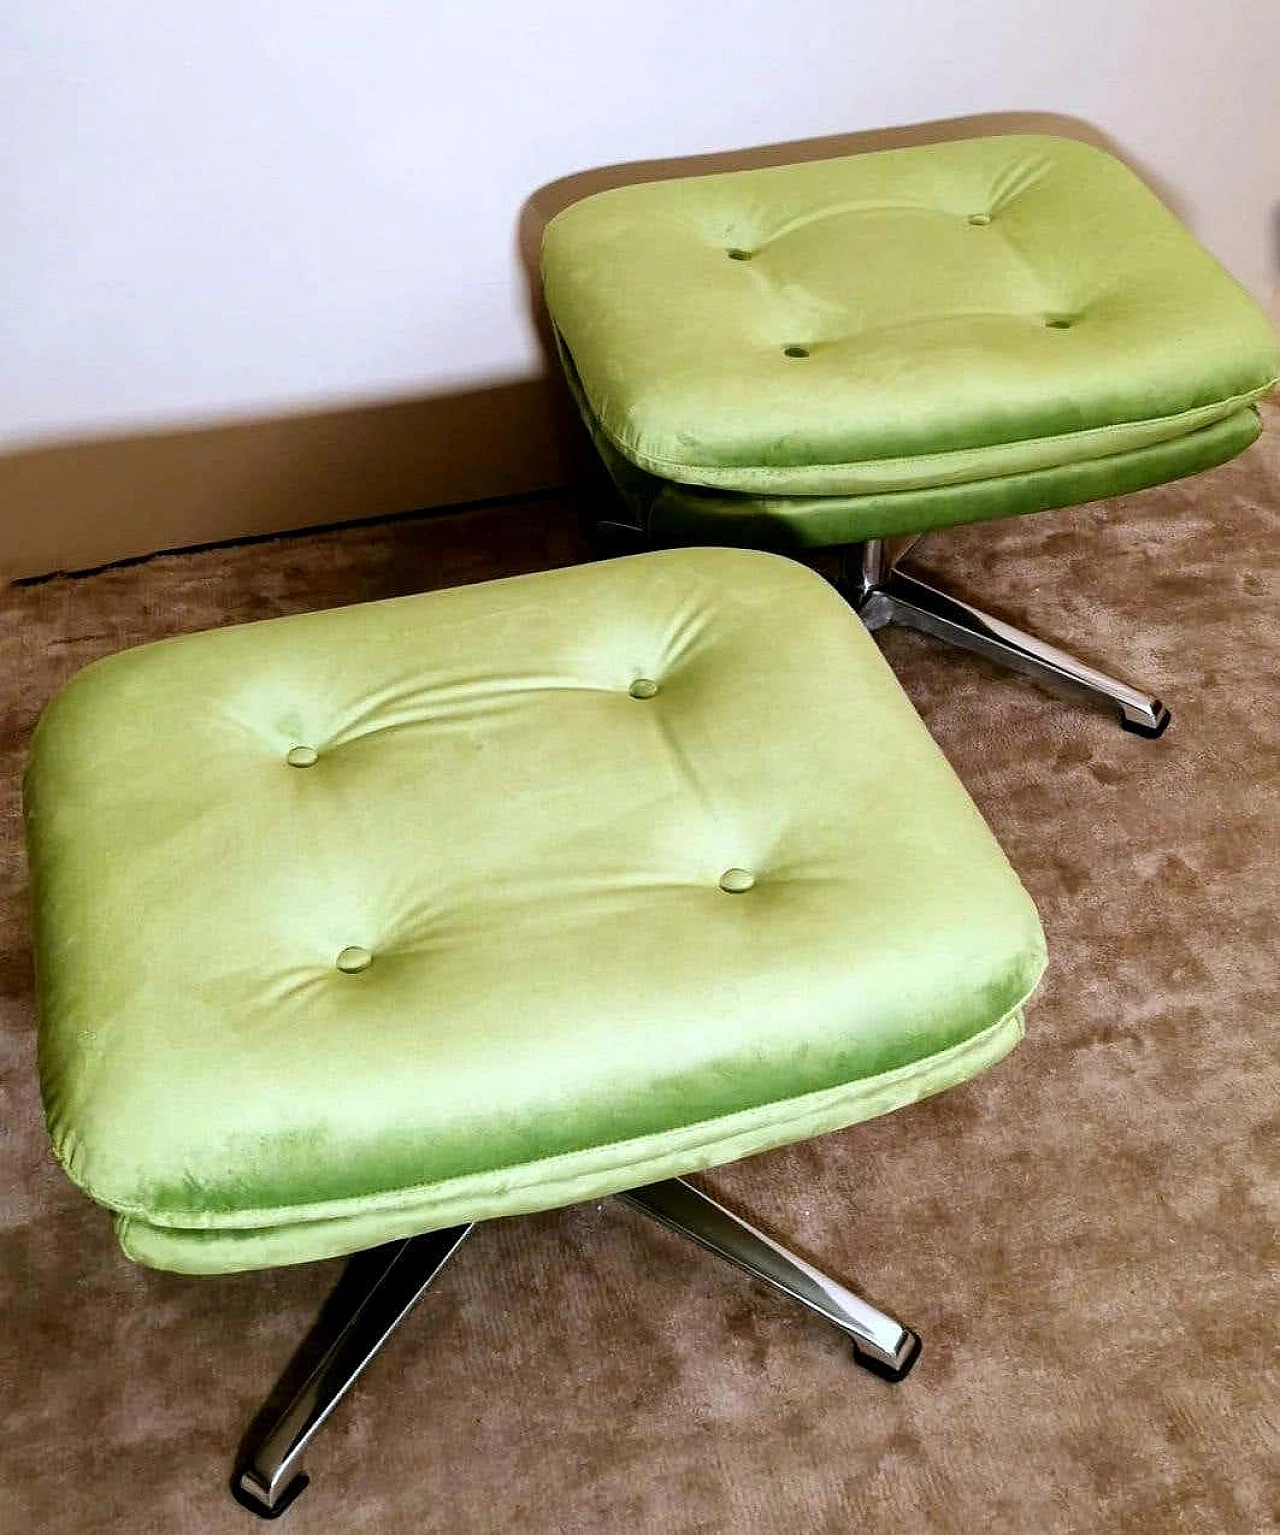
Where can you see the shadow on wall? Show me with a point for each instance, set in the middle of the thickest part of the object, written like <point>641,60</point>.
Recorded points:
<point>551,199</point>
<point>1275,264</point>
<point>74,505</point>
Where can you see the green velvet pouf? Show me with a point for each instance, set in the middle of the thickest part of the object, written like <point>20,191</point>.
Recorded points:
<point>886,343</point>
<point>366,922</point>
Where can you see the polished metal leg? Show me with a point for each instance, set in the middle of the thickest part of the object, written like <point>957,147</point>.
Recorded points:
<point>880,1344</point>
<point>921,606</point>
<point>610,539</point>
<point>884,594</point>
<point>864,567</point>
<point>267,1480</point>
<point>897,549</point>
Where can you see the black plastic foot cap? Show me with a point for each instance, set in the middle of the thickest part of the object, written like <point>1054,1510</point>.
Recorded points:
<point>255,1505</point>
<point>891,1372</point>
<point>1149,732</point>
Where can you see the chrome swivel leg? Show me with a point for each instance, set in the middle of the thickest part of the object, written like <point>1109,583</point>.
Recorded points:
<point>267,1480</point>
<point>884,594</point>
<point>880,1344</point>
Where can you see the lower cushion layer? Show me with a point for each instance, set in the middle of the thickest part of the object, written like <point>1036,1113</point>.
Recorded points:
<point>378,919</point>
<point>674,513</point>
<point>570,1179</point>
<point>681,514</point>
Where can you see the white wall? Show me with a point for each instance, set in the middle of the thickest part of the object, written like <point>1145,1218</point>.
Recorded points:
<point>264,205</point>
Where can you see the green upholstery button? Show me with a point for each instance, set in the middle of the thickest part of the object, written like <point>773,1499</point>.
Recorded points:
<point>354,959</point>
<point>738,255</point>
<point>302,756</point>
<point>643,687</point>
<point>735,881</point>
<point>979,220</point>
<point>795,351</point>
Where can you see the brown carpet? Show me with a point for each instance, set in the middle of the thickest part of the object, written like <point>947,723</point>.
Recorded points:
<point>1086,1236</point>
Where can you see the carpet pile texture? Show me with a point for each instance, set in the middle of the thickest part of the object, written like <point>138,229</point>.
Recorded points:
<point>1086,1236</point>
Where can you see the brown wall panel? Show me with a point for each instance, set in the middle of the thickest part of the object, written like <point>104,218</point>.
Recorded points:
<point>72,506</point>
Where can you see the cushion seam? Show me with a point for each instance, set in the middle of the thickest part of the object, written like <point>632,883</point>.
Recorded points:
<point>645,460</point>
<point>400,1198</point>
<point>734,501</point>
<point>449,1207</point>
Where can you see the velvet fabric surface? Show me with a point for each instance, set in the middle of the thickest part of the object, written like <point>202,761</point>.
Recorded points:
<point>672,513</point>
<point>915,320</point>
<point>463,870</point>
<point>680,514</point>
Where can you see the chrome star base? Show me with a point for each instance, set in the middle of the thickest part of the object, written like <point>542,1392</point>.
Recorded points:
<point>269,1477</point>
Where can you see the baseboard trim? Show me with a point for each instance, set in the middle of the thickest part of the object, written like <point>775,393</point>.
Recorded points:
<point>83,505</point>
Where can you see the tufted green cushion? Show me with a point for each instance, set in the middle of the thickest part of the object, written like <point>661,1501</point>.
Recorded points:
<point>963,314</point>
<point>480,951</point>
